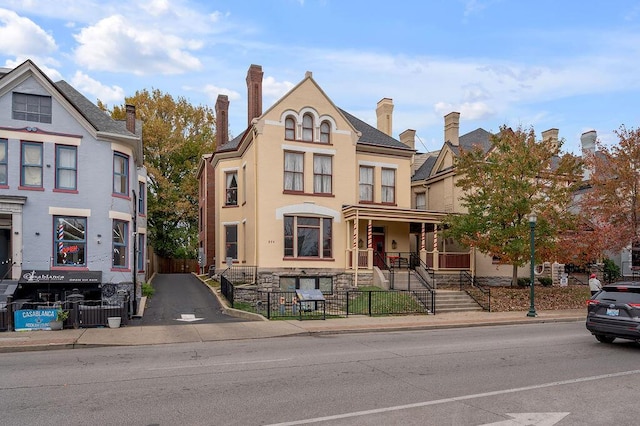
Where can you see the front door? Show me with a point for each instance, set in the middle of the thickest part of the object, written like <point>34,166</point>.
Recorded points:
<point>379,254</point>
<point>5,261</point>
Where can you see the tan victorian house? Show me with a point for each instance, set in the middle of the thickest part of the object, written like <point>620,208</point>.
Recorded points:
<point>314,197</point>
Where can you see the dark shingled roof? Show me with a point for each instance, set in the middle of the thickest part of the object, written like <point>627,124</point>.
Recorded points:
<point>99,119</point>
<point>478,137</point>
<point>371,135</point>
<point>424,171</point>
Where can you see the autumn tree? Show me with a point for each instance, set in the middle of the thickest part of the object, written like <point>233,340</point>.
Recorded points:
<point>176,135</point>
<point>611,203</point>
<point>501,187</point>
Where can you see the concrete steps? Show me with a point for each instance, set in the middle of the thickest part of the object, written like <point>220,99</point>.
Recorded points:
<point>455,301</point>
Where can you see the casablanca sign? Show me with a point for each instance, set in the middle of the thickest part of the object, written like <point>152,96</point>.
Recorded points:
<point>61,277</point>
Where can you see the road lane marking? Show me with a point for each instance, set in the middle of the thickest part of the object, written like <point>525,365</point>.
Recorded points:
<point>455,399</point>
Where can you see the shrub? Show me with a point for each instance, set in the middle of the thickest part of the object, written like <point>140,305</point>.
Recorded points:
<point>147,290</point>
<point>524,282</point>
<point>546,281</point>
<point>611,271</point>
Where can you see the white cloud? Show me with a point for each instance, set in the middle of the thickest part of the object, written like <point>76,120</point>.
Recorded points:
<point>87,85</point>
<point>213,92</point>
<point>275,89</point>
<point>116,44</point>
<point>22,37</point>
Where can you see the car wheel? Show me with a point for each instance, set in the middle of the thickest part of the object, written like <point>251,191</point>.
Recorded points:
<point>604,339</point>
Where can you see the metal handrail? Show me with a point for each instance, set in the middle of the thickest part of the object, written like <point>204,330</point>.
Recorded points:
<point>467,278</point>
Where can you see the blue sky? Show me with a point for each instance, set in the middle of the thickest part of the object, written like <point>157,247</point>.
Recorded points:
<point>548,64</point>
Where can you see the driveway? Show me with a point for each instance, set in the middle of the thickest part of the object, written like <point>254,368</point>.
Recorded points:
<point>182,299</point>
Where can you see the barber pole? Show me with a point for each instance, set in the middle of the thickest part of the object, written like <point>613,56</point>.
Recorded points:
<point>60,237</point>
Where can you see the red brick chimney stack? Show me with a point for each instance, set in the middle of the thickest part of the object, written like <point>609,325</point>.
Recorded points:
<point>254,92</point>
<point>222,120</point>
<point>131,118</point>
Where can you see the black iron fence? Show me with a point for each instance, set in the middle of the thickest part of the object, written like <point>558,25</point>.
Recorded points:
<point>284,304</point>
<point>80,314</point>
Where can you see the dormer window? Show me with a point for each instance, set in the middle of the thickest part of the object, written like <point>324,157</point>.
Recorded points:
<point>325,132</point>
<point>307,128</point>
<point>290,129</point>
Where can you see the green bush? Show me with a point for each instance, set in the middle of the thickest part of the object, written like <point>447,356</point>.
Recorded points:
<point>546,281</point>
<point>524,282</point>
<point>611,271</point>
<point>147,290</point>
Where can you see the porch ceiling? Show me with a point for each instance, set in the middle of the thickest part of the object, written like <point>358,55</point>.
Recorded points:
<point>392,214</point>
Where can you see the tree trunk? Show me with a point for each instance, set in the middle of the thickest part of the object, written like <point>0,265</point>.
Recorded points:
<point>514,276</point>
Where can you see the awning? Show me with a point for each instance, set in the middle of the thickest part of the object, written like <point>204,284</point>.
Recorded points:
<point>60,277</point>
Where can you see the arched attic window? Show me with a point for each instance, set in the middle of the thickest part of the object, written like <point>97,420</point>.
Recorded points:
<point>289,128</point>
<point>325,132</point>
<point>307,128</point>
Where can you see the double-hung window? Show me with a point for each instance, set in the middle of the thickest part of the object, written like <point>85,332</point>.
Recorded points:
<point>31,108</point>
<point>325,132</point>
<point>307,128</point>
<point>66,167</point>
<point>421,201</point>
<point>231,182</point>
<point>307,237</point>
<point>3,162</point>
<point>70,241</point>
<point>120,174</point>
<point>388,186</point>
<point>293,171</point>
<point>141,259</point>
<point>231,241</point>
<point>366,183</point>
<point>289,128</point>
<point>31,175</point>
<point>142,195</point>
<point>322,174</point>
<point>120,244</point>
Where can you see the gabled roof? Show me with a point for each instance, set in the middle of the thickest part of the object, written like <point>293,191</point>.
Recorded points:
<point>424,171</point>
<point>100,120</point>
<point>371,135</point>
<point>468,141</point>
<point>94,118</point>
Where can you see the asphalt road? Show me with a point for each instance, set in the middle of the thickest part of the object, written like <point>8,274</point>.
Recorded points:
<point>180,299</point>
<point>534,374</point>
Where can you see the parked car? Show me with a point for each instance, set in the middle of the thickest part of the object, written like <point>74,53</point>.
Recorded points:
<point>614,312</point>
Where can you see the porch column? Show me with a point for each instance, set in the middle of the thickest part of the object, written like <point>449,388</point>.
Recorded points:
<point>423,243</point>
<point>436,256</point>
<point>370,244</point>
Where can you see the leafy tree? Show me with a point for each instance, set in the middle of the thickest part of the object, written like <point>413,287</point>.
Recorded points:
<point>611,204</point>
<point>502,187</point>
<point>176,135</point>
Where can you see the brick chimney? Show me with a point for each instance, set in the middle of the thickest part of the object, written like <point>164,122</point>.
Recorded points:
<point>452,128</point>
<point>552,135</point>
<point>384,112</point>
<point>408,137</point>
<point>588,142</point>
<point>222,120</point>
<point>254,92</point>
<point>131,118</point>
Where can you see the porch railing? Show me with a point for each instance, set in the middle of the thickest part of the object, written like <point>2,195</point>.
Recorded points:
<point>481,294</point>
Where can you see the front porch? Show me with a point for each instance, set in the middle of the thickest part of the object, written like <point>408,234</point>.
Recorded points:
<point>387,237</point>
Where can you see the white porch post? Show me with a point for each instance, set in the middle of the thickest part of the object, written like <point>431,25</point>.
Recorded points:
<point>370,244</point>
<point>436,256</point>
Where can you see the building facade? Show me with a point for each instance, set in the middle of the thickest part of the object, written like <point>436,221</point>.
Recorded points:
<point>72,192</point>
<point>311,195</point>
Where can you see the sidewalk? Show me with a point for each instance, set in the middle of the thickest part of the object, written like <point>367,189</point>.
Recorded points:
<point>194,332</point>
